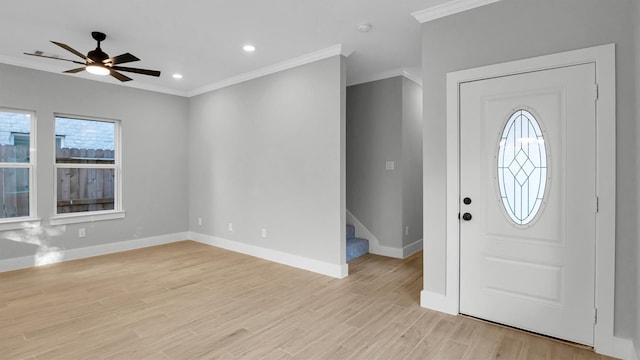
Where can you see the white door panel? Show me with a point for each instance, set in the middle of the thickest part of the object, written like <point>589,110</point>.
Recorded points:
<point>538,276</point>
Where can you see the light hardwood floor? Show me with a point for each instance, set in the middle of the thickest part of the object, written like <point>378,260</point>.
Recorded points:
<point>191,301</point>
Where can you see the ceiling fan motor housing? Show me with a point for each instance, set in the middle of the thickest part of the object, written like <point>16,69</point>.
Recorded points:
<point>97,55</point>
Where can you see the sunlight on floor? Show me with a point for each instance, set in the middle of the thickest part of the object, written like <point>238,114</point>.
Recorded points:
<point>40,237</point>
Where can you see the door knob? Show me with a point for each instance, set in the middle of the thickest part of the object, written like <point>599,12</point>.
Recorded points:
<point>466,216</point>
<point>466,201</point>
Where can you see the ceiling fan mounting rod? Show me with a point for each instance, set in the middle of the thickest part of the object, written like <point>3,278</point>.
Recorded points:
<point>97,56</point>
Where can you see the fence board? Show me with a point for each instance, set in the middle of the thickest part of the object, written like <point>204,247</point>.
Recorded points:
<point>90,189</point>
<point>78,190</point>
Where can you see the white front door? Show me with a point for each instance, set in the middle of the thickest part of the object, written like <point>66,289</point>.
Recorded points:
<point>528,201</point>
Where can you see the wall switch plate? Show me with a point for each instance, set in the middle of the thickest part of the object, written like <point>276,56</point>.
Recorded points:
<point>230,227</point>
<point>199,221</point>
<point>390,165</point>
<point>264,233</point>
<point>82,232</point>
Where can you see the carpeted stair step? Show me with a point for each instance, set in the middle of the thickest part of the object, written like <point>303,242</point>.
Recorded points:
<point>356,247</point>
<point>351,231</point>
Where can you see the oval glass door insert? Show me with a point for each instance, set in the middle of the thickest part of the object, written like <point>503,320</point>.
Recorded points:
<point>522,167</point>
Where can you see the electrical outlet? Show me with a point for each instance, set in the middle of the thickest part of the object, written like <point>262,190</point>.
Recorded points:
<point>390,165</point>
<point>199,221</point>
<point>406,231</point>
<point>82,232</point>
<point>264,233</point>
<point>230,227</point>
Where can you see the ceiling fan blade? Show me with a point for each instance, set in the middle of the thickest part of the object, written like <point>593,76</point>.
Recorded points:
<point>137,71</point>
<point>119,76</point>
<point>121,59</point>
<point>72,71</point>
<point>70,49</point>
<point>54,57</point>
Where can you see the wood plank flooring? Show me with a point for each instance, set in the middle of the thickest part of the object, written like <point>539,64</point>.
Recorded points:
<point>187,301</point>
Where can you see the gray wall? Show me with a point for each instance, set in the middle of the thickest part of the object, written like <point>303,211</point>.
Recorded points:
<point>517,29</point>
<point>411,160</point>
<point>153,166</point>
<point>637,66</point>
<point>268,153</point>
<point>374,136</point>
<point>384,123</point>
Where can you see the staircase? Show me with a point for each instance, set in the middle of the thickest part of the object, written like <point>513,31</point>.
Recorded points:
<point>356,247</point>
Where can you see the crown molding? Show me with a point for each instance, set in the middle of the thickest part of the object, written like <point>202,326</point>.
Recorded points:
<point>335,50</point>
<point>448,8</point>
<point>387,75</point>
<point>281,66</point>
<point>34,65</point>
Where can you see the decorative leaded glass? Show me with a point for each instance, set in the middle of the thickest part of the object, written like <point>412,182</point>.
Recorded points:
<point>522,167</point>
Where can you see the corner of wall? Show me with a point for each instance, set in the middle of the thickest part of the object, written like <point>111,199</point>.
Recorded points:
<point>338,271</point>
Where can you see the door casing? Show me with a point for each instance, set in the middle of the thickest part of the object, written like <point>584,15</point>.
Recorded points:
<point>604,59</point>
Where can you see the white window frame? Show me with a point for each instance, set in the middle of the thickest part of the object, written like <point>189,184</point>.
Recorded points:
<point>89,216</point>
<point>31,220</point>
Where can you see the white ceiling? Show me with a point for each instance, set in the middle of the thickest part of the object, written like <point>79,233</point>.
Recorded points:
<point>203,39</point>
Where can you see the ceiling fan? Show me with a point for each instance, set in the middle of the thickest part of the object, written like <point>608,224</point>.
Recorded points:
<point>98,62</point>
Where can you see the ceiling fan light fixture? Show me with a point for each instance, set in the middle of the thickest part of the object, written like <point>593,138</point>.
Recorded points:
<point>99,63</point>
<point>98,69</point>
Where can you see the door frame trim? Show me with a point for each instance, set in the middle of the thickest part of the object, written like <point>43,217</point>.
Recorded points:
<point>604,59</point>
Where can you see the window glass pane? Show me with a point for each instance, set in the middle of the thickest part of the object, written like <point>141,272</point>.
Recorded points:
<point>85,141</point>
<point>59,141</point>
<point>14,198</point>
<point>15,130</point>
<point>522,167</point>
<point>85,189</point>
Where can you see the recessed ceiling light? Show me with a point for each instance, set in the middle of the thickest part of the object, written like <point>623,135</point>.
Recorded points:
<point>177,76</point>
<point>364,27</point>
<point>249,48</point>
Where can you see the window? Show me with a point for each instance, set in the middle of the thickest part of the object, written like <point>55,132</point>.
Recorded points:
<point>21,139</point>
<point>17,166</point>
<point>522,167</point>
<point>87,167</point>
<point>59,141</point>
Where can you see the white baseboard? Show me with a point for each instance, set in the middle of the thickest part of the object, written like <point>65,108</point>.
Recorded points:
<point>412,248</point>
<point>623,349</point>
<point>376,248</point>
<point>438,302</point>
<point>374,243</point>
<point>61,255</point>
<point>616,347</point>
<point>619,348</point>
<point>300,262</point>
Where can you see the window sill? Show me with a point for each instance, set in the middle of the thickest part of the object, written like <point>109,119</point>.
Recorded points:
<point>86,217</point>
<point>19,224</point>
